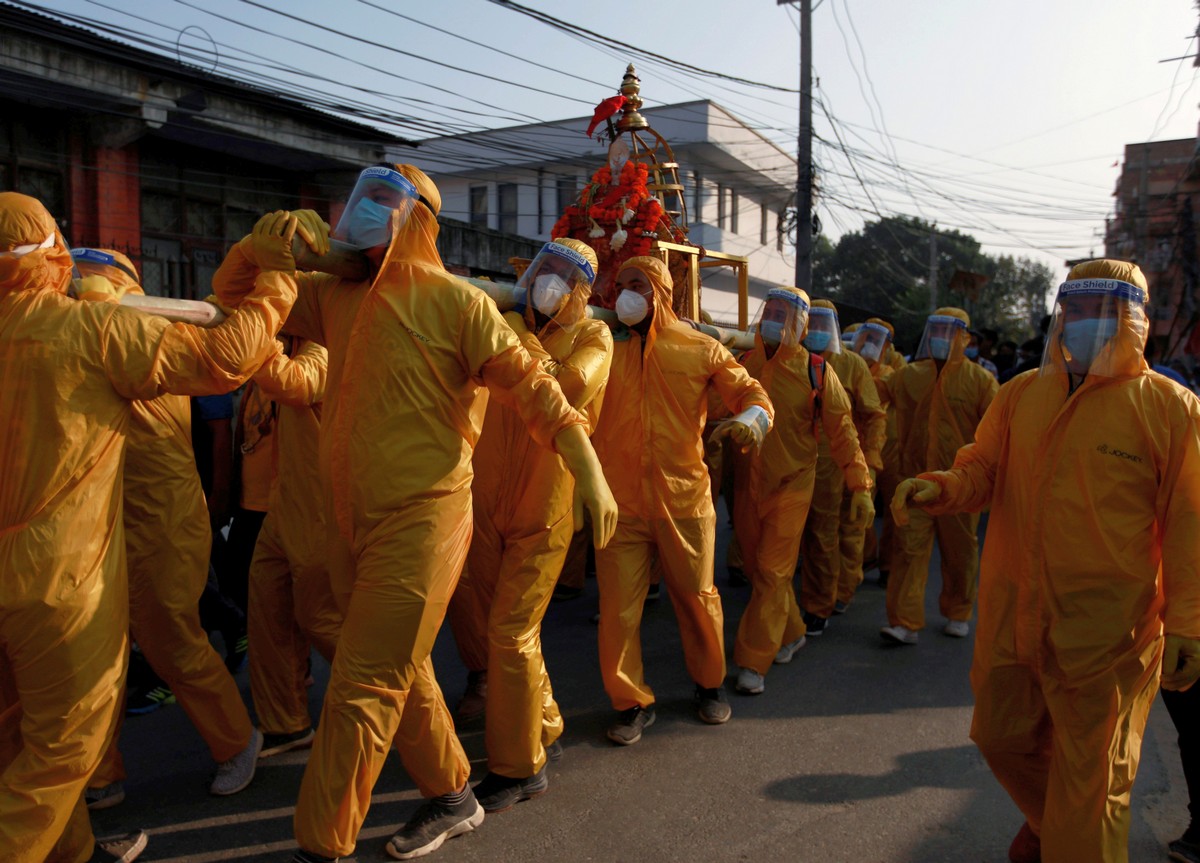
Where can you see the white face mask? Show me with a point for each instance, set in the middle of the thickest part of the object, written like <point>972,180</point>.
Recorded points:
<point>548,292</point>
<point>869,352</point>
<point>632,308</point>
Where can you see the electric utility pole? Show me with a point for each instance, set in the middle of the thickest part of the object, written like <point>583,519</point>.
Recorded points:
<point>804,179</point>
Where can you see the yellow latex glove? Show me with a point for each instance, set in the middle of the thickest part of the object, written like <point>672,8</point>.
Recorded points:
<point>312,229</point>
<point>862,507</point>
<point>747,429</point>
<point>918,491</point>
<point>591,488</point>
<point>516,321</point>
<point>1181,662</point>
<point>95,289</point>
<point>271,241</point>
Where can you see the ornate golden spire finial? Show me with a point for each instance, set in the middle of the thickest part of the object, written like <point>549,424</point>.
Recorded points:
<point>631,86</point>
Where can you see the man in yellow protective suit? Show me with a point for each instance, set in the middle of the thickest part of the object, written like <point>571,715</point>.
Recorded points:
<point>292,608</point>
<point>70,370</point>
<point>649,440</point>
<point>522,502</point>
<point>167,543</point>
<point>774,485</point>
<point>410,351</point>
<point>939,399</point>
<point>873,342</point>
<point>833,535</point>
<point>1091,466</point>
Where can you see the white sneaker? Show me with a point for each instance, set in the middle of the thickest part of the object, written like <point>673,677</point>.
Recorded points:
<point>236,773</point>
<point>750,682</point>
<point>785,654</point>
<point>957,628</point>
<point>899,634</point>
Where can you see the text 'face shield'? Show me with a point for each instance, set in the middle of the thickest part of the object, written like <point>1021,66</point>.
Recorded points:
<point>367,220</point>
<point>557,284</point>
<point>1092,319</point>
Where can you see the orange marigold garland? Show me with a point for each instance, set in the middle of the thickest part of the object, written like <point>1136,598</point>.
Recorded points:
<point>619,220</point>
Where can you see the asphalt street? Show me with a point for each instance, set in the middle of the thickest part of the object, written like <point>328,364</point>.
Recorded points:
<point>856,752</point>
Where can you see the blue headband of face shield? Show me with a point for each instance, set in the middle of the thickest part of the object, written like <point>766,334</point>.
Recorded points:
<point>788,297</point>
<point>873,328</point>
<point>1114,288</point>
<point>99,258</point>
<point>573,257</point>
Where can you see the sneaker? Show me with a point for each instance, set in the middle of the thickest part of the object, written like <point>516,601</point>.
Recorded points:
<point>148,700</point>
<point>785,654</point>
<point>433,823</point>
<point>630,724</point>
<point>815,625</point>
<point>957,628</point>
<point>104,798</point>
<point>120,849</point>
<point>899,634</point>
<point>654,593</point>
<point>474,700</point>
<point>840,607</point>
<point>235,774</point>
<point>750,682</point>
<point>497,793</point>
<point>302,856</point>
<point>274,744</point>
<point>554,752</point>
<point>237,656</point>
<point>711,705</point>
<point>563,592</point>
<point>1026,847</point>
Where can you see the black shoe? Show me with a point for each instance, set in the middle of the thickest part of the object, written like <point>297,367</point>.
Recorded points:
<point>274,744</point>
<point>883,578</point>
<point>148,700</point>
<point>815,625</point>
<point>497,793</point>
<point>1184,851</point>
<point>630,724</point>
<point>554,752</point>
<point>237,651</point>
<point>302,856</point>
<point>711,705</point>
<point>654,593</point>
<point>119,849</point>
<point>840,607</point>
<point>563,592</point>
<point>433,823</point>
<point>735,577</point>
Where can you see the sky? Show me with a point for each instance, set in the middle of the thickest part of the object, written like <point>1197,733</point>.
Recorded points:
<point>1007,121</point>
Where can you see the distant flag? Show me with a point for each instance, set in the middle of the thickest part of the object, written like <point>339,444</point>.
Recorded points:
<point>604,110</point>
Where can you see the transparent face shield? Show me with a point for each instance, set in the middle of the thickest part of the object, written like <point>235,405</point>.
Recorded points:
<point>1095,325</point>
<point>871,341</point>
<point>367,220</point>
<point>556,285</point>
<point>942,332</point>
<point>782,319</point>
<point>824,331</point>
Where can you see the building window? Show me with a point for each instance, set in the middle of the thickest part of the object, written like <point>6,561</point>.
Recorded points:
<point>33,158</point>
<point>506,196</point>
<point>479,206</point>
<point>566,188</point>
<point>762,233</point>
<point>720,206</point>
<point>733,211</point>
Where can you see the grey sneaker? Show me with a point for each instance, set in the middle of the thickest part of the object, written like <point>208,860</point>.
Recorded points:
<point>957,628</point>
<point>711,705</point>
<point>630,724</point>
<point>899,635</point>
<point>104,798</point>
<point>788,651</point>
<point>497,793</point>
<point>120,849</point>
<point>236,773</point>
<point>433,823</point>
<point>750,682</point>
<point>275,744</point>
<point>554,752</point>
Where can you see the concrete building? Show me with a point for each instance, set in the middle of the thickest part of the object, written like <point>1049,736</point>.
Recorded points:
<point>518,180</point>
<point>1155,224</point>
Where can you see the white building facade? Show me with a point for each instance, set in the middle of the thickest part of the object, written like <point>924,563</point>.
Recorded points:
<point>737,184</point>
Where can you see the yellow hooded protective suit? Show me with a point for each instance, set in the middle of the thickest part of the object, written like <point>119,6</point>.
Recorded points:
<point>937,410</point>
<point>649,440</point>
<point>832,540</point>
<point>774,491</point>
<point>522,502</point>
<point>291,603</point>
<point>1090,553</point>
<point>879,549</point>
<point>409,355</point>
<point>68,371</point>
<point>168,542</point>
